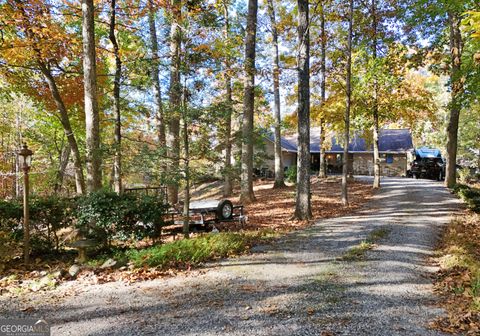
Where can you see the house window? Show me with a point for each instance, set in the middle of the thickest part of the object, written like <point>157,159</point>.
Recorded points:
<point>389,159</point>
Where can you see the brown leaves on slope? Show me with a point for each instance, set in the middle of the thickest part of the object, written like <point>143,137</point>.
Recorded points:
<point>274,208</point>
<point>458,281</point>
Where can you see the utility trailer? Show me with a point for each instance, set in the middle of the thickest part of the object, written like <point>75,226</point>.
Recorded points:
<point>205,214</point>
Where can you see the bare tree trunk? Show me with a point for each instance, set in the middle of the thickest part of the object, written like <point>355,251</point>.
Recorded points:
<point>19,137</point>
<point>62,166</point>
<point>302,203</point>
<point>117,160</point>
<point>186,160</point>
<point>154,73</point>
<point>279,175</point>
<point>92,123</point>
<point>173,139</point>
<point>246,193</point>
<point>322,172</point>
<point>348,105</point>
<point>228,185</point>
<point>65,121</point>
<point>376,154</point>
<point>456,46</point>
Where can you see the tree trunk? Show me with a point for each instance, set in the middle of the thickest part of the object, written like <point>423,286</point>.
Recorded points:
<point>62,166</point>
<point>186,160</point>
<point>154,73</point>
<point>67,128</point>
<point>92,123</point>
<point>246,193</point>
<point>173,139</point>
<point>348,105</point>
<point>117,160</point>
<point>322,172</point>
<point>279,175</point>
<point>19,137</point>
<point>456,46</point>
<point>303,209</point>
<point>228,185</point>
<point>376,154</point>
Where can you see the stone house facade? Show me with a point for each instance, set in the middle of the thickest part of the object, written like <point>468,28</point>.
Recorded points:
<point>395,147</point>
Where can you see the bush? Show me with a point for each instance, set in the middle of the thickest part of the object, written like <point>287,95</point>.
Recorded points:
<point>150,211</point>
<point>465,175</point>
<point>106,216</point>
<point>102,215</point>
<point>471,196</point>
<point>11,214</point>
<point>291,174</point>
<point>48,215</point>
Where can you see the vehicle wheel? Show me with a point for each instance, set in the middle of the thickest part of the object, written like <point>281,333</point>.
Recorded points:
<point>225,209</point>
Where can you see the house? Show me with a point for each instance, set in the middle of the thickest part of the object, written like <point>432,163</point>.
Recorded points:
<point>395,147</point>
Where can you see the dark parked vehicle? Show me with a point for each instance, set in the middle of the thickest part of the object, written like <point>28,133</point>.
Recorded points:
<point>428,163</point>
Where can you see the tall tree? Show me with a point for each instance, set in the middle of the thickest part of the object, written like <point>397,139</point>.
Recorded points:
<point>228,183</point>
<point>279,175</point>
<point>456,46</point>
<point>92,118</point>
<point>173,139</point>
<point>38,56</point>
<point>65,121</point>
<point>348,102</point>
<point>154,73</point>
<point>322,172</point>
<point>247,195</point>
<point>186,166</point>
<point>303,209</point>
<point>376,155</point>
<point>117,160</point>
<point>433,20</point>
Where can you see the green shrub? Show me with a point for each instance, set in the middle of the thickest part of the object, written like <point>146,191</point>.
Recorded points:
<point>291,174</point>
<point>102,215</point>
<point>150,211</point>
<point>11,214</point>
<point>106,216</point>
<point>464,175</point>
<point>471,196</point>
<point>10,210</point>
<point>48,215</point>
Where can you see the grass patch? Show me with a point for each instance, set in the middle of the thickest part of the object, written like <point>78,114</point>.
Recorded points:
<point>358,252</point>
<point>185,253</point>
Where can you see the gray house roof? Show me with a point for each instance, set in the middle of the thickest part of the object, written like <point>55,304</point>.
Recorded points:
<point>390,140</point>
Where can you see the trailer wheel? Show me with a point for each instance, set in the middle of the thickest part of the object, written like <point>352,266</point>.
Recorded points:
<point>225,210</point>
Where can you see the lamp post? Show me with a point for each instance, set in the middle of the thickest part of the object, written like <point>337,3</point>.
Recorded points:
<point>25,161</point>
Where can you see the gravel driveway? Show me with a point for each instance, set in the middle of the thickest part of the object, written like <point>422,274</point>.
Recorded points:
<point>298,286</point>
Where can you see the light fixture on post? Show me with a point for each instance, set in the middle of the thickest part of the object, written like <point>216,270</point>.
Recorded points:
<point>25,160</point>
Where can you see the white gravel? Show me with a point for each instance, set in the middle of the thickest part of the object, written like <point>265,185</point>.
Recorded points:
<point>298,286</point>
